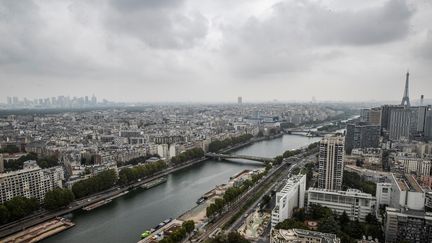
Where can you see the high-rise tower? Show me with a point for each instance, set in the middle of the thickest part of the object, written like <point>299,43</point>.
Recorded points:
<point>405,98</point>
<point>331,153</point>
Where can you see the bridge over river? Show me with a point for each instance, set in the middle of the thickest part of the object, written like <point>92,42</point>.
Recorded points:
<point>237,156</point>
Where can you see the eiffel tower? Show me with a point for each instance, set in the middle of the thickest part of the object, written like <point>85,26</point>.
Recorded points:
<point>405,99</point>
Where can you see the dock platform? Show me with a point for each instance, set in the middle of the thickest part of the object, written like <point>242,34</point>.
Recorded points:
<point>40,231</point>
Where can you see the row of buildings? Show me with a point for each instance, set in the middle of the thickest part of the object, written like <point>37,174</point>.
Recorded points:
<point>401,202</point>
<point>88,142</point>
<point>31,182</point>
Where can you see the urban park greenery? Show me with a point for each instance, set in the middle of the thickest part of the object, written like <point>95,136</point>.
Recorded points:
<point>187,155</point>
<point>58,198</point>
<point>16,208</point>
<point>128,175</point>
<point>231,194</point>
<point>102,181</point>
<point>231,237</point>
<point>217,145</point>
<point>349,231</point>
<point>354,180</point>
<point>180,234</point>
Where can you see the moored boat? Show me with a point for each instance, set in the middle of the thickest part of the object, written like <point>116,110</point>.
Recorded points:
<point>154,183</point>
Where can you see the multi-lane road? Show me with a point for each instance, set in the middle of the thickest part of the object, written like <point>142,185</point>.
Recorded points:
<point>281,172</point>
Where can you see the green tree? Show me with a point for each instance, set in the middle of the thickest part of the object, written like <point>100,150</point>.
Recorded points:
<point>211,210</point>
<point>328,225</point>
<point>290,224</point>
<point>235,237</point>
<point>4,214</point>
<point>317,212</point>
<point>356,230</point>
<point>58,198</point>
<point>19,207</point>
<point>11,165</point>
<point>189,226</point>
<point>371,219</point>
<point>187,156</point>
<point>128,175</point>
<point>344,219</point>
<point>354,180</point>
<point>10,149</point>
<point>102,181</point>
<point>219,204</point>
<point>299,214</point>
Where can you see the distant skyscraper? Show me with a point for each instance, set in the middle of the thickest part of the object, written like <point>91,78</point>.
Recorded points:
<point>362,135</point>
<point>386,113</point>
<point>94,100</point>
<point>331,154</point>
<point>372,116</point>
<point>239,100</point>
<point>400,121</point>
<point>428,124</point>
<point>15,100</point>
<point>1,163</point>
<point>407,123</point>
<point>405,99</point>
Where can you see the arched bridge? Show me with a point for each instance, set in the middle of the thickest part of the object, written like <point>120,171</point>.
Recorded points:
<point>236,156</point>
<point>308,133</point>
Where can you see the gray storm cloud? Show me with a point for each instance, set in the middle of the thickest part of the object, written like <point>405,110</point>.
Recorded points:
<point>160,50</point>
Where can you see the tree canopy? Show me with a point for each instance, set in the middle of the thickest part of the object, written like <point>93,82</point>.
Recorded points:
<point>188,155</point>
<point>354,180</point>
<point>217,145</point>
<point>102,181</point>
<point>58,198</point>
<point>128,175</point>
<point>17,208</point>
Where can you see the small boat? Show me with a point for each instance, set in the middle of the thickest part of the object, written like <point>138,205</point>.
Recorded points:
<point>154,183</point>
<point>96,205</point>
<point>145,234</point>
<point>200,200</point>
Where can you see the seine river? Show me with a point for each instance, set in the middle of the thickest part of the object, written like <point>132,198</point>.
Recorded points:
<point>124,219</point>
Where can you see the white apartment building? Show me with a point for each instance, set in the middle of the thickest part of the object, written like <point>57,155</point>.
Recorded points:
<point>31,181</point>
<point>289,197</point>
<point>406,193</point>
<point>331,153</point>
<point>356,204</point>
<point>383,193</point>
<point>163,151</point>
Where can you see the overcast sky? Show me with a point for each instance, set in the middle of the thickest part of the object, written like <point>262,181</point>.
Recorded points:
<point>216,50</point>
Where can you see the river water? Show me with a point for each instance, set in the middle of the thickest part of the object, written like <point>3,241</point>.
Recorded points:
<point>124,219</point>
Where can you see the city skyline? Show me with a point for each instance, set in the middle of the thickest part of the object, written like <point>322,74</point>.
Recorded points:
<point>161,51</point>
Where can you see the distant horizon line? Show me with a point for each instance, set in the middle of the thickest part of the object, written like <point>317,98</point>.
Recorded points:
<point>247,102</point>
